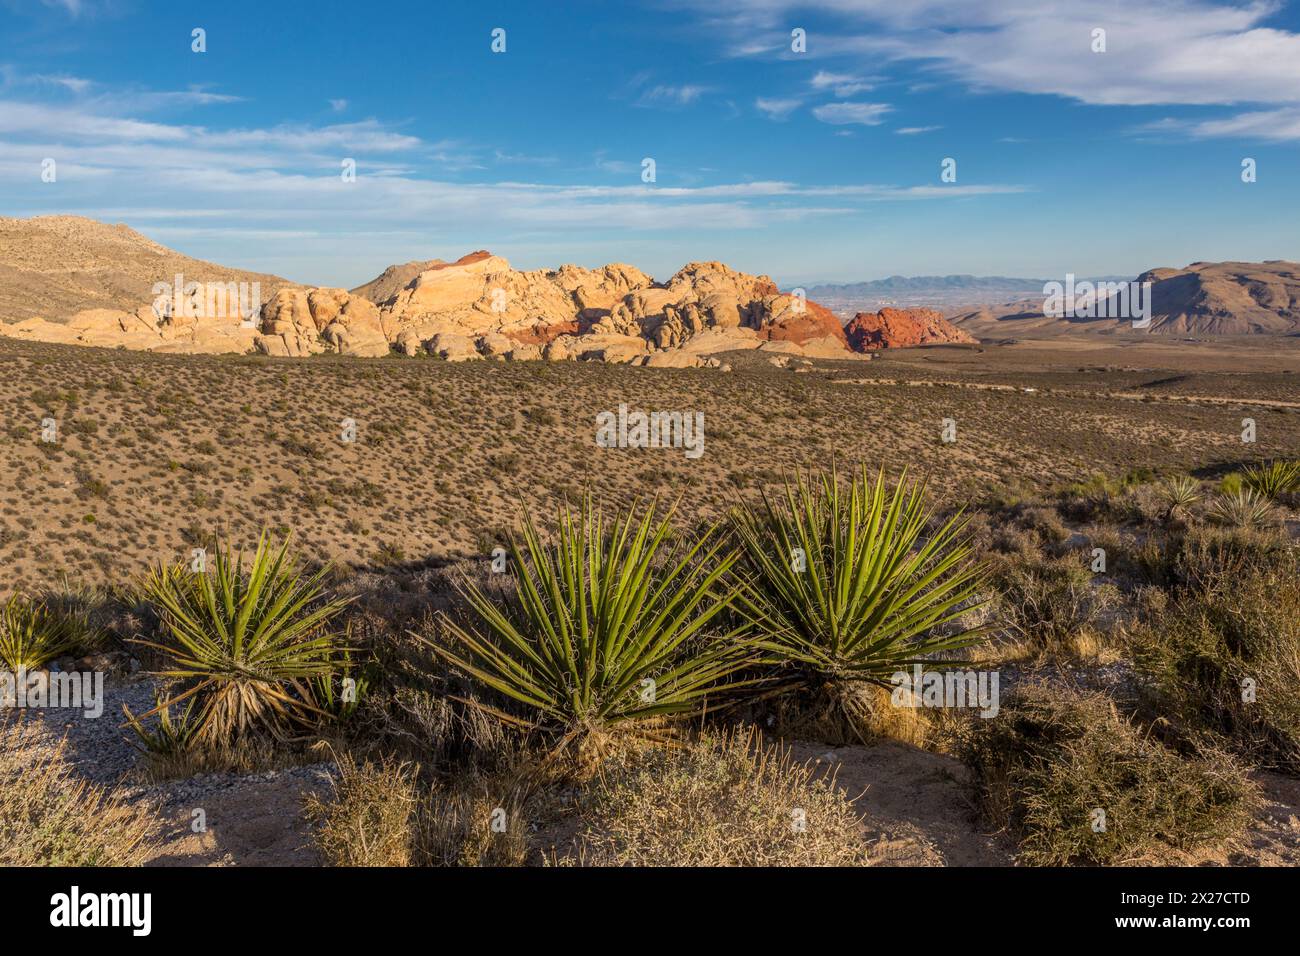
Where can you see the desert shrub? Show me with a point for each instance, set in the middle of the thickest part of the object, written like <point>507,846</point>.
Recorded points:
<point>723,801</point>
<point>245,641</point>
<point>853,585</point>
<point>1053,606</point>
<point>474,820</point>
<point>1099,499</point>
<point>420,707</point>
<point>1045,522</point>
<point>1054,757</point>
<point>369,818</point>
<point>32,633</point>
<point>50,817</point>
<point>1223,659</point>
<point>1209,553</point>
<point>383,814</point>
<point>608,629</point>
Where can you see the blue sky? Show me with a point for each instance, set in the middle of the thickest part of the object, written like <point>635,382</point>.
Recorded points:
<point>821,165</point>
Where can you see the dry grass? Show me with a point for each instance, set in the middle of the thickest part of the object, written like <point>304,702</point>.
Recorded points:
<point>383,814</point>
<point>49,817</point>
<point>368,820</point>
<point>847,713</point>
<point>724,801</point>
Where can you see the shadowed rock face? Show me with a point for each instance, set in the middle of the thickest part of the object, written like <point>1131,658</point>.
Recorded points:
<point>901,328</point>
<point>1226,298</point>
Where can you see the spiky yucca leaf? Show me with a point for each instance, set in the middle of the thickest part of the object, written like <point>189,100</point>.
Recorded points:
<point>1277,477</point>
<point>32,634</point>
<point>847,587</point>
<point>611,624</point>
<point>1246,508</point>
<point>244,640</point>
<point>1181,493</point>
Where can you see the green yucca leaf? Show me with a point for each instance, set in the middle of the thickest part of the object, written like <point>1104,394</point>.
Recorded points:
<point>32,634</point>
<point>608,605</point>
<point>871,592</point>
<point>245,642</point>
<point>1273,479</point>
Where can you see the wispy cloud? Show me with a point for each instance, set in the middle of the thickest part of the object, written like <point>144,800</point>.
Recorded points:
<point>1280,125</point>
<point>1207,52</point>
<point>844,114</point>
<point>287,177</point>
<point>777,108</point>
<point>842,84</point>
<point>915,130</point>
<point>665,95</point>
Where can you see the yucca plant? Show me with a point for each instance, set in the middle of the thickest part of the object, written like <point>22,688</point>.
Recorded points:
<point>32,634</point>
<point>1180,494</point>
<point>850,586</point>
<point>170,738</point>
<point>1276,478</point>
<point>614,626</point>
<point>244,640</point>
<point>1245,508</point>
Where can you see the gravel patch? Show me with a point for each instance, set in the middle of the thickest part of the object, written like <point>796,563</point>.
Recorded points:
<point>247,818</point>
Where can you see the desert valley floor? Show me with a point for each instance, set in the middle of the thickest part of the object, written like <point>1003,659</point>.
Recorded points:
<point>155,453</point>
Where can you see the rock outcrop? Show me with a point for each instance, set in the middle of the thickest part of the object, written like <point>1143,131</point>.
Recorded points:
<point>613,314</point>
<point>296,323</point>
<point>479,308</point>
<point>902,328</point>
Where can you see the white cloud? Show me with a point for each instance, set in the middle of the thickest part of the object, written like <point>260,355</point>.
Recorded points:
<point>1280,125</point>
<point>843,84</point>
<point>843,114</point>
<point>914,130</point>
<point>338,106</point>
<point>777,108</point>
<point>1157,52</point>
<point>273,195</point>
<point>672,95</point>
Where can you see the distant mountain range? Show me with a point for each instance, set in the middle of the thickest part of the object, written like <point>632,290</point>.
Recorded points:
<point>943,292</point>
<point>1202,299</point>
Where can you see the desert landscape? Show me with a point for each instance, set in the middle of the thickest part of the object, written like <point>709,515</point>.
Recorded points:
<point>402,474</point>
<point>770,437</point>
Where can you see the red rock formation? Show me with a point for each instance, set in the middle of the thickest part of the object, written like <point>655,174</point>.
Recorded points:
<point>542,332</point>
<point>800,326</point>
<point>901,328</point>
